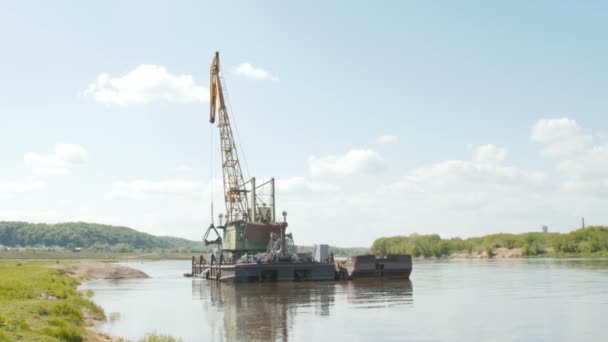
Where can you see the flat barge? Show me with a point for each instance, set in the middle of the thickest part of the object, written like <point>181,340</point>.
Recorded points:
<point>370,266</point>
<point>263,272</point>
<point>356,267</point>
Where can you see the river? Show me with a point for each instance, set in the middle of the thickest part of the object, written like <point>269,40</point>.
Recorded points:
<point>445,300</point>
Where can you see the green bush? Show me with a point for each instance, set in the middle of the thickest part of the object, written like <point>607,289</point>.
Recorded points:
<point>489,251</point>
<point>588,241</point>
<point>123,248</point>
<point>153,337</point>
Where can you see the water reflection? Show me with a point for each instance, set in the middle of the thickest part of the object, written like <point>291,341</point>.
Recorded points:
<point>269,311</point>
<point>593,264</point>
<point>264,311</point>
<point>367,294</point>
<point>497,300</point>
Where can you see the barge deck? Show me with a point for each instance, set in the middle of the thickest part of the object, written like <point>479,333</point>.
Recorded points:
<point>263,272</point>
<point>362,266</point>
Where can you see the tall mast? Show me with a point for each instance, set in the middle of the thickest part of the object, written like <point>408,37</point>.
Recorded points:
<point>235,194</point>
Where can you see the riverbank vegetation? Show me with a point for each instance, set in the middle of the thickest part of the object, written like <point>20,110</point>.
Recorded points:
<point>160,338</point>
<point>41,303</point>
<point>27,253</point>
<point>79,240</point>
<point>590,241</point>
<point>90,237</point>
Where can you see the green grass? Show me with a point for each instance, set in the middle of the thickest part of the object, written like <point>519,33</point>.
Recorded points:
<point>98,256</point>
<point>40,303</point>
<point>153,337</point>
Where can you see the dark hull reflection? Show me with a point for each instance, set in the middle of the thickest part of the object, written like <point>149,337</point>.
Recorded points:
<point>374,293</point>
<point>269,311</point>
<point>265,311</point>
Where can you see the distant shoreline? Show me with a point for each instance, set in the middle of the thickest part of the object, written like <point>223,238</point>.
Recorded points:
<point>583,242</point>
<point>103,256</point>
<point>497,253</point>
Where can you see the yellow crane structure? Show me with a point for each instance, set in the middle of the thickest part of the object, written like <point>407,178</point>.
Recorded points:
<point>235,194</point>
<point>250,209</point>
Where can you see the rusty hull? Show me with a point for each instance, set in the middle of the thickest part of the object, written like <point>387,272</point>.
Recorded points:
<point>370,266</point>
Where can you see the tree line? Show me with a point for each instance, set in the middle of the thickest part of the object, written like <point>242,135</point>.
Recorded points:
<point>91,236</point>
<point>590,241</point>
<point>105,238</point>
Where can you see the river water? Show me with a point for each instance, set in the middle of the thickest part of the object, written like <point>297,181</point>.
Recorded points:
<point>445,300</point>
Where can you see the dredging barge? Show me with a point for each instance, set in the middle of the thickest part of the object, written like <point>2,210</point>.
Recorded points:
<point>356,267</point>
<point>280,261</point>
<point>253,246</point>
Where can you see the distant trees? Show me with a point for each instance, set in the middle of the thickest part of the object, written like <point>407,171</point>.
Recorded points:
<point>89,236</point>
<point>123,248</point>
<point>592,241</point>
<point>338,251</point>
<point>584,241</point>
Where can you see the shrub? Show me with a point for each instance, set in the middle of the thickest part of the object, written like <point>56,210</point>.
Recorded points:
<point>153,337</point>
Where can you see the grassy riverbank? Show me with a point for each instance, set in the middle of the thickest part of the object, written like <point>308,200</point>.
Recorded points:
<point>585,242</point>
<point>41,303</point>
<point>112,256</point>
<point>86,255</point>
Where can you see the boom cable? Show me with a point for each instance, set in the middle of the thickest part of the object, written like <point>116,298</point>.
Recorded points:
<point>211,169</point>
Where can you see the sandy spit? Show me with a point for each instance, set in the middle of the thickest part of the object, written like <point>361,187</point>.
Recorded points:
<point>102,270</point>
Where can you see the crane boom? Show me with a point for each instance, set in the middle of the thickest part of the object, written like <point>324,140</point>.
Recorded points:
<point>235,194</point>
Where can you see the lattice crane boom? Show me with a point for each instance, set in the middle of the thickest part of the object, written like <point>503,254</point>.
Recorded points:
<point>235,194</point>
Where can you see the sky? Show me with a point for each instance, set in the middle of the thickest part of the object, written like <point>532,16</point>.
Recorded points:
<point>456,118</point>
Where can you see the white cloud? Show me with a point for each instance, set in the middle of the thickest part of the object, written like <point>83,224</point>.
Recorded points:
<point>356,161</point>
<point>467,186</point>
<point>598,188</point>
<point>145,84</point>
<point>249,71</point>
<point>65,157</point>
<point>560,137</point>
<point>490,154</point>
<point>144,189</point>
<point>463,176</point>
<point>70,153</point>
<point>587,172</point>
<point>183,168</point>
<point>301,184</point>
<point>590,165</point>
<point>388,139</point>
<point>19,188</point>
<point>456,172</point>
<point>584,165</point>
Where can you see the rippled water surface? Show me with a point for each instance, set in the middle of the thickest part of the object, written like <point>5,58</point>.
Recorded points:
<point>452,300</point>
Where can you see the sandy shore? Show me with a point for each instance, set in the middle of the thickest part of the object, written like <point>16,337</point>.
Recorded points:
<point>498,253</point>
<point>90,270</point>
<point>102,270</point>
